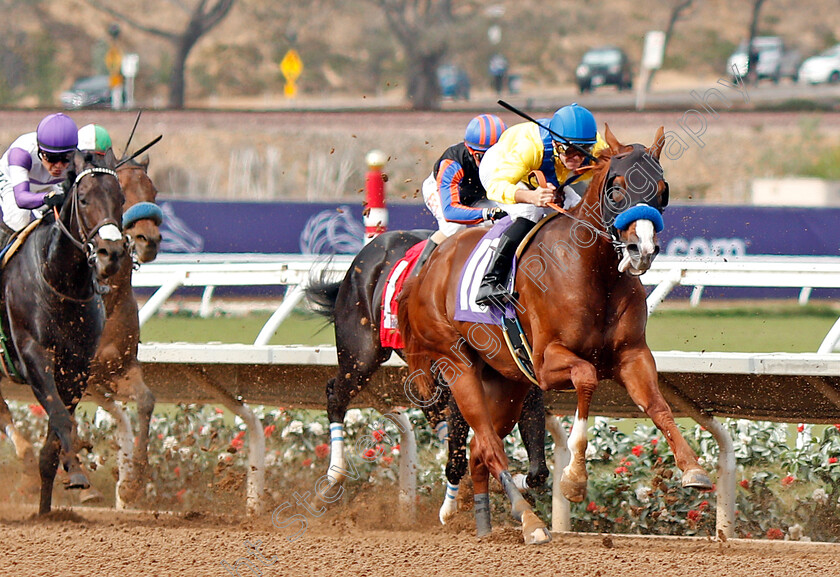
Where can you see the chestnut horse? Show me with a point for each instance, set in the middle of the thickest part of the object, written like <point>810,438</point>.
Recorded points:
<point>115,372</point>
<point>354,306</point>
<point>584,314</point>
<point>53,314</point>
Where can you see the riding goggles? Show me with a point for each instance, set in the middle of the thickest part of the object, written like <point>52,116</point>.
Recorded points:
<point>56,157</point>
<point>572,149</point>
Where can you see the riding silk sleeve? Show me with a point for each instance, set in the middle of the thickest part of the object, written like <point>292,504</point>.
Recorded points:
<point>520,151</point>
<point>450,176</point>
<point>28,177</point>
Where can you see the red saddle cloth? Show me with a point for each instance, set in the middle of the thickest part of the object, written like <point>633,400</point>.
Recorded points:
<point>389,331</point>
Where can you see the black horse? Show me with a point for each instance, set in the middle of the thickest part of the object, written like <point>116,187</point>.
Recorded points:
<point>354,306</point>
<point>52,309</point>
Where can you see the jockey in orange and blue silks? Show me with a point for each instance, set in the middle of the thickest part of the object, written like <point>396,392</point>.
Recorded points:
<point>32,170</point>
<point>453,191</point>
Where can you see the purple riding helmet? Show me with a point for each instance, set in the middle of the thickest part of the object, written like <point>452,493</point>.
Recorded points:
<point>57,133</point>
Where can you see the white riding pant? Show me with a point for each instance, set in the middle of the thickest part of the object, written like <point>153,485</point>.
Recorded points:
<point>13,215</point>
<point>520,209</point>
<point>431,196</point>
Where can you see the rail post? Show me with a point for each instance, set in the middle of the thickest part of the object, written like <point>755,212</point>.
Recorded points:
<point>375,215</point>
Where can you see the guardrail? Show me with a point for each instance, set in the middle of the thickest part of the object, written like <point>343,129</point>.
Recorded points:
<point>290,273</point>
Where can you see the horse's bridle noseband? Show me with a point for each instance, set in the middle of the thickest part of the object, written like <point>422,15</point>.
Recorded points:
<point>86,246</point>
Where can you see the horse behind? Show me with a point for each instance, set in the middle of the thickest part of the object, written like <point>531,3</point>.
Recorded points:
<point>53,313</point>
<point>115,372</point>
<point>583,310</point>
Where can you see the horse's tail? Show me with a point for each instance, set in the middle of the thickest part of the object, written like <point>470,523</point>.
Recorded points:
<point>322,294</point>
<point>422,378</point>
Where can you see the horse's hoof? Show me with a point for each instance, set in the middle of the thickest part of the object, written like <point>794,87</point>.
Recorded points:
<point>573,491</point>
<point>697,479</point>
<point>78,481</point>
<point>90,495</point>
<point>447,510</point>
<point>533,530</point>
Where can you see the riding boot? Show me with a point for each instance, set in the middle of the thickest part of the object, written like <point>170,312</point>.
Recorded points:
<point>6,233</point>
<point>424,256</point>
<point>493,288</point>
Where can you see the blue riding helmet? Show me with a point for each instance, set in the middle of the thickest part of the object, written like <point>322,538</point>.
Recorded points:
<point>483,131</point>
<point>57,133</point>
<point>574,123</point>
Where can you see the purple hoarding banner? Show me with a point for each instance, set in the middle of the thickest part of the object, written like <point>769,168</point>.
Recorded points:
<point>324,228</point>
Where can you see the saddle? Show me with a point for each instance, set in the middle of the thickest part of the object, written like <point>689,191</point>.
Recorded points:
<point>17,241</point>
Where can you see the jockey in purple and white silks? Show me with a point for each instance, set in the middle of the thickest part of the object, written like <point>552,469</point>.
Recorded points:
<point>32,170</point>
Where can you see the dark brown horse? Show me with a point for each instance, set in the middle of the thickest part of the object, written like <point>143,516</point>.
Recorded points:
<point>115,372</point>
<point>52,311</point>
<point>584,314</point>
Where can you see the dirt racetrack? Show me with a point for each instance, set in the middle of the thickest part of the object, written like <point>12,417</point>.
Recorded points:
<point>358,543</point>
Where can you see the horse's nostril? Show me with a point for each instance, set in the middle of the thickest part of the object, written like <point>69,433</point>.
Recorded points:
<point>634,248</point>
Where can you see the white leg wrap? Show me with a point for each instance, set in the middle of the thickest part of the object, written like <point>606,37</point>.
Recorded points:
<point>336,451</point>
<point>520,481</point>
<point>450,504</point>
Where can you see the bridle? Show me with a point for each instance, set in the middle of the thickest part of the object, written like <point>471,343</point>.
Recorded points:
<point>86,245</point>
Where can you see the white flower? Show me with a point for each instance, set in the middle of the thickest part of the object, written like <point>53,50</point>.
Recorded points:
<point>102,418</point>
<point>520,454</point>
<point>295,427</point>
<point>316,428</point>
<point>353,417</point>
<point>289,454</point>
<point>591,451</point>
<point>169,443</point>
<point>643,494</point>
<point>184,452</point>
<point>270,460</point>
<point>820,496</point>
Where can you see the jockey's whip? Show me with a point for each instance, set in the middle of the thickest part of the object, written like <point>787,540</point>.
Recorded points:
<point>556,136</point>
<point>130,136</point>
<point>140,151</point>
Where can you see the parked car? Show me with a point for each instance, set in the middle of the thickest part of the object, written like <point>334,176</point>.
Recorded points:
<point>775,60</point>
<point>823,67</point>
<point>602,66</point>
<point>89,92</point>
<point>454,82</point>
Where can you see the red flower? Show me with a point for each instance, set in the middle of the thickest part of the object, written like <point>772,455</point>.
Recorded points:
<point>837,426</point>
<point>180,495</point>
<point>177,471</point>
<point>220,411</point>
<point>592,507</point>
<point>800,428</point>
<point>37,410</point>
<point>745,484</point>
<point>307,463</point>
<point>238,441</point>
<point>322,450</point>
<point>621,470</point>
<point>638,450</point>
<point>370,454</point>
<point>787,481</point>
<point>654,442</point>
<point>395,449</point>
<point>703,505</point>
<point>269,429</point>
<point>832,460</point>
<point>775,533</point>
<point>694,515</point>
<point>379,434</point>
<point>387,460</point>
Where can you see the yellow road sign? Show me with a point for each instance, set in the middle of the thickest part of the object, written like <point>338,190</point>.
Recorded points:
<point>291,66</point>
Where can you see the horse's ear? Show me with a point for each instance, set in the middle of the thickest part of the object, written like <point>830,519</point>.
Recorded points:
<point>658,142</point>
<point>110,158</point>
<point>78,162</point>
<point>144,161</point>
<point>612,141</point>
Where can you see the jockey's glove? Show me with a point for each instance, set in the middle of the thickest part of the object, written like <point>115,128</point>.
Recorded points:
<point>54,199</point>
<point>493,214</point>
